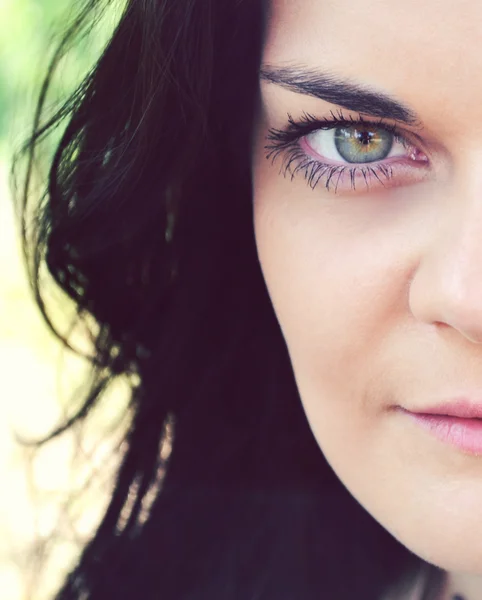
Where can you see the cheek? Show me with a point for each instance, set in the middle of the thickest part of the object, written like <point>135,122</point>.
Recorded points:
<point>327,314</point>
<point>336,293</point>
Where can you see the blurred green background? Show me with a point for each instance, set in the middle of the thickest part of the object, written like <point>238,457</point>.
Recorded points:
<point>37,376</point>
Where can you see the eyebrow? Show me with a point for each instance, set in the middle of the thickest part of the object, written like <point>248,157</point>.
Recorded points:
<point>343,92</point>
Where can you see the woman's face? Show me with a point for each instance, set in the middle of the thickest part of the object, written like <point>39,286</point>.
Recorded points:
<point>370,239</point>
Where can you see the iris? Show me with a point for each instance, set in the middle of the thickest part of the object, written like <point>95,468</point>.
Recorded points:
<point>363,144</point>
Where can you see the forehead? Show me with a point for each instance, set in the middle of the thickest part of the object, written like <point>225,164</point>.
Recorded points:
<point>421,51</point>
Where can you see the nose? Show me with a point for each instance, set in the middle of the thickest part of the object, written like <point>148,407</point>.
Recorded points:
<point>446,288</point>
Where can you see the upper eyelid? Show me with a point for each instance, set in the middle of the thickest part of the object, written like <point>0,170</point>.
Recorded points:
<point>327,123</point>
<point>341,120</point>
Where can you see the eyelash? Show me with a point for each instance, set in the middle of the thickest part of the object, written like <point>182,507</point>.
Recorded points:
<point>286,143</point>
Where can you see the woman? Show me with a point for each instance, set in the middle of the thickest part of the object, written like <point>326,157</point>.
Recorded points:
<point>320,368</point>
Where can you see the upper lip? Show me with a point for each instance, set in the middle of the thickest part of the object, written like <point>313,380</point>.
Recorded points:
<point>463,408</point>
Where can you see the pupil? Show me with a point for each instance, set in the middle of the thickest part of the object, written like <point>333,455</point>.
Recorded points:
<point>364,137</point>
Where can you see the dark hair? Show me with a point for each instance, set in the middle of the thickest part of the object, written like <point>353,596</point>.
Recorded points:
<point>147,225</point>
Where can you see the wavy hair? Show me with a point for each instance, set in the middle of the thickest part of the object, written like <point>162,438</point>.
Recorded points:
<point>146,224</point>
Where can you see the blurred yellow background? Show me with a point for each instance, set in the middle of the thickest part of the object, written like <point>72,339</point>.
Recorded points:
<point>37,376</point>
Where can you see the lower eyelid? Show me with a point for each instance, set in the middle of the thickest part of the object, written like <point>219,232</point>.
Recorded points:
<point>356,178</point>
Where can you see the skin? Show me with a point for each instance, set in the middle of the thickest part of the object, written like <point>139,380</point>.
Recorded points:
<point>379,293</point>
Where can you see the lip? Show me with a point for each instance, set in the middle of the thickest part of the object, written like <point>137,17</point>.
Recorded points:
<point>457,423</point>
<point>463,408</point>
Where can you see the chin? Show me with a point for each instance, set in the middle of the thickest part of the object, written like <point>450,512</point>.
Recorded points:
<point>448,552</point>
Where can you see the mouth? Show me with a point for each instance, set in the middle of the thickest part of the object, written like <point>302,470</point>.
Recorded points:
<point>457,423</point>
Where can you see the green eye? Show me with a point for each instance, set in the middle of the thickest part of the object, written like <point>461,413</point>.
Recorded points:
<point>363,144</point>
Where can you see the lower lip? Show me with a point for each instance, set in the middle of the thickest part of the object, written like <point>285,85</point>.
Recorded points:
<point>464,434</point>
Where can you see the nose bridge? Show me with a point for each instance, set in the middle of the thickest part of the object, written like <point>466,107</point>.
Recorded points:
<point>447,287</point>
